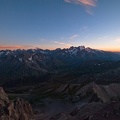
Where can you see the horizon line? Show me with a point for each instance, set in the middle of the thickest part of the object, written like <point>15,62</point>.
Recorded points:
<point>25,47</point>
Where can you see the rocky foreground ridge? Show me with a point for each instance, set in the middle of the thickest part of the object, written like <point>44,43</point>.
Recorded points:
<point>91,92</point>
<point>101,102</point>
<point>108,108</point>
<point>82,102</point>
<point>14,110</point>
<point>92,111</point>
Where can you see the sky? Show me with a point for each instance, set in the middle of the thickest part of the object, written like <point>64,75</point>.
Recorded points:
<point>51,24</point>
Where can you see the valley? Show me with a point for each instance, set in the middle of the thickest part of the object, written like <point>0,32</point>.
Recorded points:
<point>67,101</point>
<point>77,83</point>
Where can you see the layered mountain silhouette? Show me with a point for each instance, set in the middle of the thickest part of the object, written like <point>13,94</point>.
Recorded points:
<point>18,64</point>
<point>76,83</point>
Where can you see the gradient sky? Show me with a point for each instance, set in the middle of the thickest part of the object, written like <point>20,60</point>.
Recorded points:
<point>54,24</point>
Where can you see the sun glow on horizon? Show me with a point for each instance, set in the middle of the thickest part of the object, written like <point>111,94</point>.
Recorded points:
<point>25,47</point>
<point>51,24</point>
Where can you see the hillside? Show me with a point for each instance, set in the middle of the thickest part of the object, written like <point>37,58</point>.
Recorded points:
<point>48,65</point>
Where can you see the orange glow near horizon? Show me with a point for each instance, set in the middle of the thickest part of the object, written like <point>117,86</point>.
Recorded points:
<point>5,47</point>
<point>8,47</point>
<point>110,49</point>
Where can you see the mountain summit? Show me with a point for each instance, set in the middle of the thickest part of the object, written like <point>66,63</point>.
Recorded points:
<point>36,62</point>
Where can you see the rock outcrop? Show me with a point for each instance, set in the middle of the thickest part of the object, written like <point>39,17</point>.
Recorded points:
<point>14,110</point>
<point>93,111</point>
<point>91,92</point>
<point>3,97</point>
<point>92,101</point>
<point>107,93</point>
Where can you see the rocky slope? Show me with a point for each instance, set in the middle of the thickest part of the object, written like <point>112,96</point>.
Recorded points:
<point>91,92</point>
<point>66,102</point>
<point>14,110</point>
<point>92,111</point>
<point>77,101</point>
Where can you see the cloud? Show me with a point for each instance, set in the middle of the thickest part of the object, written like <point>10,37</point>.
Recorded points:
<point>86,3</point>
<point>83,2</point>
<point>74,36</point>
<point>61,43</point>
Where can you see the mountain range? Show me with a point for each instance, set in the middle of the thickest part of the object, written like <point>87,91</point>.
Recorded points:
<point>75,83</point>
<point>19,64</point>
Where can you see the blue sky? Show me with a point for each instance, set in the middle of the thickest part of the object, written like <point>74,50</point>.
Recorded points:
<point>51,24</point>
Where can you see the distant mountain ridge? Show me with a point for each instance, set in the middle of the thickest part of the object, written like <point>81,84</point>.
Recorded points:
<point>35,62</point>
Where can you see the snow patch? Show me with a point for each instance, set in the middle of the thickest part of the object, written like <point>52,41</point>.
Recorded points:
<point>43,52</point>
<point>88,50</point>
<point>81,47</point>
<point>73,50</point>
<point>30,58</point>
<point>20,59</point>
<point>7,53</point>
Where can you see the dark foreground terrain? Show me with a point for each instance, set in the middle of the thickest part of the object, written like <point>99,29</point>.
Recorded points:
<point>66,102</point>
